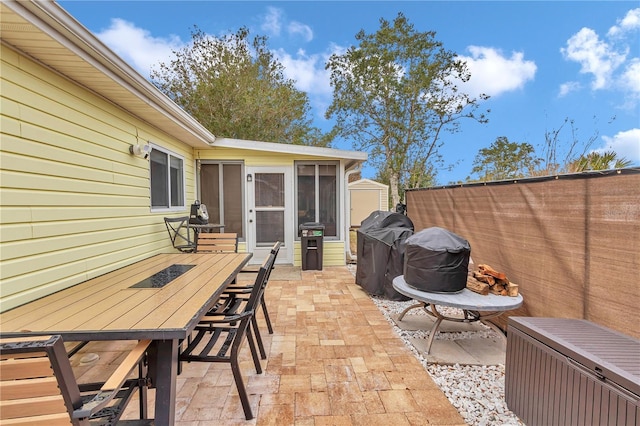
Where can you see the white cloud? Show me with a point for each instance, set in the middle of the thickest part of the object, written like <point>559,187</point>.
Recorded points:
<point>272,23</point>
<point>630,79</point>
<point>626,144</point>
<point>630,22</point>
<point>310,76</point>
<point>297,28</point>
<point>307,71</point>
<point>137,46</point>
<point>493,73</point>
<point>607,60</point>
<point>595,57</point>
<point>568,87</point>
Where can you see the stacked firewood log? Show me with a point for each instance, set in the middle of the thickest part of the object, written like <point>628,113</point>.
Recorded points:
<point>487,280</point>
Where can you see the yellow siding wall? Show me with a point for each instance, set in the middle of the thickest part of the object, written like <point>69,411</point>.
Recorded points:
<point>333,253</point>
<point>75,203</point>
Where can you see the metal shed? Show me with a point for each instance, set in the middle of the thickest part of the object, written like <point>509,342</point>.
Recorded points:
<point>367,196</point>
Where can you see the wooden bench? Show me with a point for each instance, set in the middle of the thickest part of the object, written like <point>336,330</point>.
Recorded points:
<point>37,385</point>
<point>213,242</point>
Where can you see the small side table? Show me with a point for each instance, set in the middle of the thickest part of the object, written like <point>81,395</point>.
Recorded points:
<point>207,227</point>
<point>476,307</point>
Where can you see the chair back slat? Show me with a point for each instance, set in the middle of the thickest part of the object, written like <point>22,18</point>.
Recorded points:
<point>47,420</point>
<point>21,389</point>
<point>29,388</point>
<point>26,368</point>
<point>212,242</point>
<point>34,407</point>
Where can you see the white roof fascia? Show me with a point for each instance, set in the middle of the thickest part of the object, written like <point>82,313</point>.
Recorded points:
<point>53,20</point>
<point>289,149</point>
<point>368,181</point>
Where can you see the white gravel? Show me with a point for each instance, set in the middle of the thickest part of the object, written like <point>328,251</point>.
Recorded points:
<point>477,391</point>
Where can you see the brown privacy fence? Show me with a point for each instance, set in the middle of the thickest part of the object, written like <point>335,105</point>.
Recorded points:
<point>571,242</point>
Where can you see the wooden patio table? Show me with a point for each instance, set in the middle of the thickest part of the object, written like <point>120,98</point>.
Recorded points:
<point>161,298</point>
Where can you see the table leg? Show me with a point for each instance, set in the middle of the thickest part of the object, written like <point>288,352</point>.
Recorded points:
<point>163,370</point>
<point>433,312</point>
<point>143,373</point>
<point>439,318</point>
<point>403,313</point>
<point>433,332</point>
<point>495,328</point>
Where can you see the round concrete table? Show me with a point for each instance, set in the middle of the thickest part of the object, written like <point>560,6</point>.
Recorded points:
<point>475,307</point>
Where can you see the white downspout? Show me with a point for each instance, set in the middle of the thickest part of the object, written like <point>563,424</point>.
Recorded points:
<point>347,224</point>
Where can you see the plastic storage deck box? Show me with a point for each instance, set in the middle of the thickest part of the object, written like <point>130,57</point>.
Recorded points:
<point>571,372</point>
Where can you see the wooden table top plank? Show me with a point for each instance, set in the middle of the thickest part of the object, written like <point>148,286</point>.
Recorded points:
<point>76,315</point>
<point>166,298</point>
<point>51,302</point>
<point>102,313</point>
<point>15,314</point>
<point>55,307</point>
<point>107,304</point>
<point>204,297</point>
<point>208,282</point>
<point>46,313</point>
<point>102,320</point>
<point>118,305</point>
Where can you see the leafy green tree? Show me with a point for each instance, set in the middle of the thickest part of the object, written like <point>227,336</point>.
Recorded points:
<point>599,161</point>
<point>395,94</point>
<point>421,174</point>
<point>505,160</point>
<point>236,88</point>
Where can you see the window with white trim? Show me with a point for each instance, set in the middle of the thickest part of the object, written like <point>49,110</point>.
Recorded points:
<point>167,180</point>
<point>317,194</point>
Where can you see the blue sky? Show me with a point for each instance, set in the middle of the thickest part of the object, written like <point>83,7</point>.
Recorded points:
<point>541,61</point>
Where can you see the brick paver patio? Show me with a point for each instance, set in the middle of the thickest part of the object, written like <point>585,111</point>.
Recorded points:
<point>333,360</point>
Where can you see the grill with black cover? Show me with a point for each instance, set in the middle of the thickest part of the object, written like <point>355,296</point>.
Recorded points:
<point>436,260</point>
<point>381,239</point>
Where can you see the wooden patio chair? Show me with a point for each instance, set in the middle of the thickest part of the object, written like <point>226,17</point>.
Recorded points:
<point>182,237</point>
<point>219,338</point>
<point>213,242</point>
<point>37,385</point>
